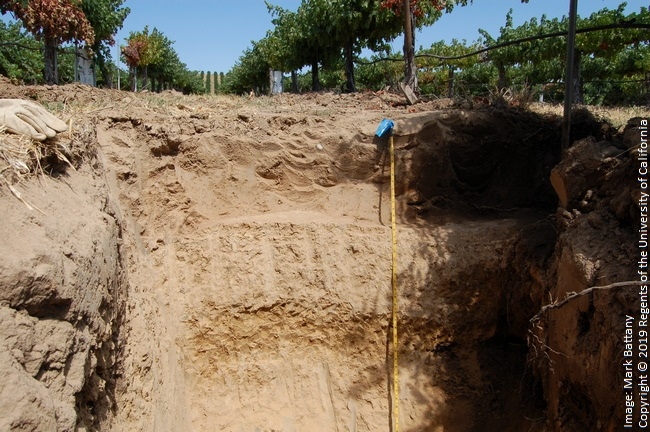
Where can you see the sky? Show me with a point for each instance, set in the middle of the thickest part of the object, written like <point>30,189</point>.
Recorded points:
<point>211,35</point>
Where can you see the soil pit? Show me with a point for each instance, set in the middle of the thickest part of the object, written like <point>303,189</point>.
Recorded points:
<point>250,285</point>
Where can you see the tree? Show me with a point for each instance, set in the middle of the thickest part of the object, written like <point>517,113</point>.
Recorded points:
<point>144,49</point>
<point>320,31</point>
<point>167,70</point>
<point>251,72</point>
<point>315,45</point>
<point>361,24</point>
<point>54,22</point>
<point>132,53</point>
<point>280,46</point>
<point>167,67</point>
<point>21,56</point>
<point>435,70</point>
<point>538,55</point>
<point>106,17</point>
<point>217,81</point>
<point>381,71</point>
<point>418,13</point>
<point>153,50</point>
<point>415,14</point>
<point>302,38</point>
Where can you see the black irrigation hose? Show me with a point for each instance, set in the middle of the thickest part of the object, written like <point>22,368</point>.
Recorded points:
<point>518,41</point>
<point>479,84</point>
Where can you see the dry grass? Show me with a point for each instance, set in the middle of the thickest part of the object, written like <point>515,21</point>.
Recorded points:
<point>22,158</point>
<point>617,116</point>
<point>521,98</point>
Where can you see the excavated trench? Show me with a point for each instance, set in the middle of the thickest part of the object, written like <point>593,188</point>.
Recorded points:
<point>245,282</point>
<point>273,314</point>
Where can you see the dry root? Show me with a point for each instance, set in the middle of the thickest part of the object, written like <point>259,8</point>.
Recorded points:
<point>534,340</point>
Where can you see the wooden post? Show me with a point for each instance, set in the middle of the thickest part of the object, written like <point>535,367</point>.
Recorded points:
<point>647,89</point>
<point>568,81</point>
<point>117,64</point>
<point>410,84</point>
<point>450,84</point>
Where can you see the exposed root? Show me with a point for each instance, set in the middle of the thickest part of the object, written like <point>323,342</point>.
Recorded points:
<point>540,347</point>
<point>573,295</point>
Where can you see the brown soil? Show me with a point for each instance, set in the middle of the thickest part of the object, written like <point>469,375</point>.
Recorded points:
<point>224,264</point>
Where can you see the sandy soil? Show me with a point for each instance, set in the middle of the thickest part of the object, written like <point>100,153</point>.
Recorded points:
<point>221,263</point>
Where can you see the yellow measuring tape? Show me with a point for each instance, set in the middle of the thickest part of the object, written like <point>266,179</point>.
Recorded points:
<point>394,286</point>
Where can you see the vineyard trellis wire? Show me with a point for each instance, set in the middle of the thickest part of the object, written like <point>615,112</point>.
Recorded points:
<point>641,95</point>
<point>509,43</point>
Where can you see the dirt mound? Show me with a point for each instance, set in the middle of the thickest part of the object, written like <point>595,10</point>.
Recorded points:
<point>224,264</point>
